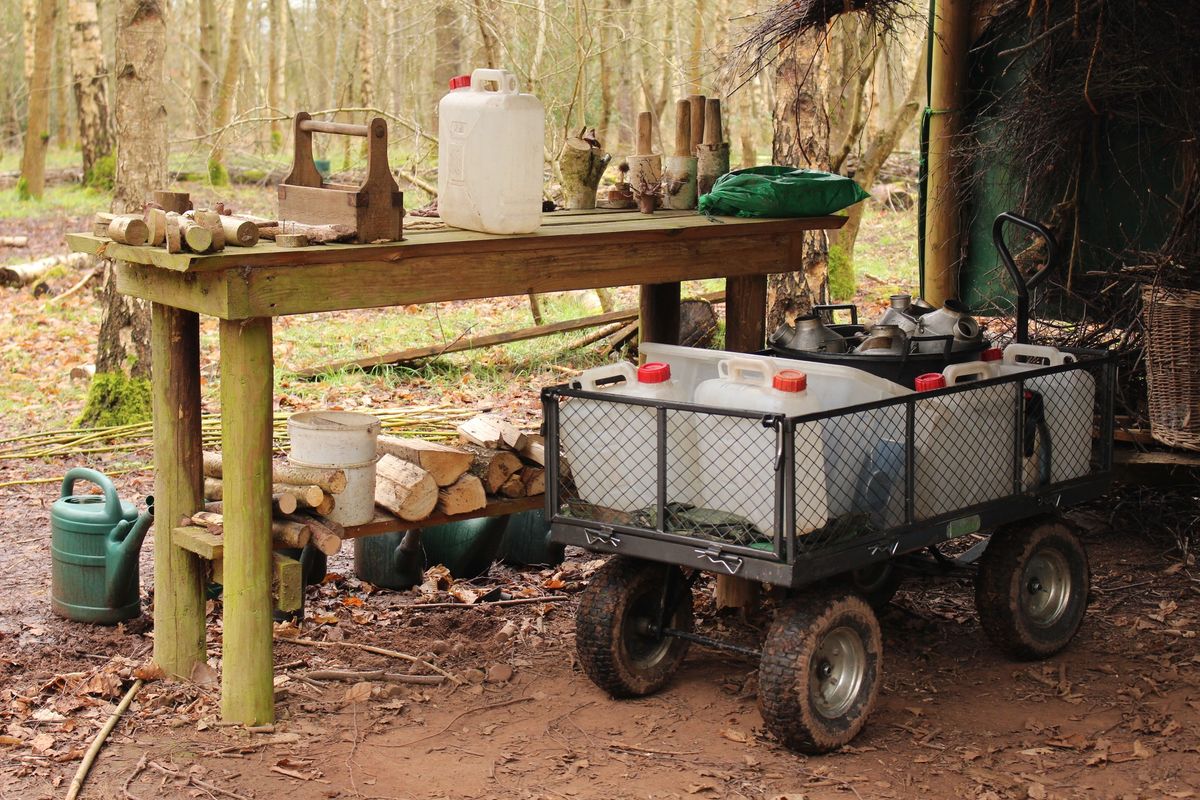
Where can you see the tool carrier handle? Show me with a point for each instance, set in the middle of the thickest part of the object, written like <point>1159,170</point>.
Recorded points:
<point>304,169</point>
<point>827,312</point>
<point>1023,284</point>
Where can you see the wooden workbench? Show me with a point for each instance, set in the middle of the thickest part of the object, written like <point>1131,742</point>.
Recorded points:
<point>246,287</point>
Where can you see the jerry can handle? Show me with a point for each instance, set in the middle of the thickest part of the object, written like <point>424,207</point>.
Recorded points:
<point>505,80</point>
<point>112,503</point>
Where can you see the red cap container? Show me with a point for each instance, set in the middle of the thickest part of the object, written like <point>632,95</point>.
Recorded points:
<point>992,354</point>
<point>790,380</point>
<point>654,372</point>
<point>930,381</point>
<point>460,82</point>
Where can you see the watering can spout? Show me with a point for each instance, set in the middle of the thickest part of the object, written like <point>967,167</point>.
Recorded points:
<point>121,552</point>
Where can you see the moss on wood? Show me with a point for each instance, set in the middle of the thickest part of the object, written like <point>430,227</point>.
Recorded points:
<point>115,399</point>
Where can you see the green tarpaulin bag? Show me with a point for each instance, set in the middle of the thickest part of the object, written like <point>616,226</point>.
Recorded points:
<point>775,191</point>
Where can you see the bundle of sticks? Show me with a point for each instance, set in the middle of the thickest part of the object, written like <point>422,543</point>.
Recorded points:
<point>301,499</point>
<point>413,478</point>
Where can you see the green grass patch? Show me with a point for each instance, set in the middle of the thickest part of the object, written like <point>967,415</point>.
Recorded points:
<point>70,200</point>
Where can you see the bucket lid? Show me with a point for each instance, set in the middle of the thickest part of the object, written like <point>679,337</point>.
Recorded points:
<point>334,421</point>
<point>460,82</point>
<point>790,380</point>
<point>992,354</point>
<point>930,381</point>
<point>654,372</point>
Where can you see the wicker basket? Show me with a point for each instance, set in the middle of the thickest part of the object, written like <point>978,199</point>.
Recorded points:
<point>1173,364</point>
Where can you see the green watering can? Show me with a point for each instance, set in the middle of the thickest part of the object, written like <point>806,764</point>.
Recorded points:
<point>95,541</point>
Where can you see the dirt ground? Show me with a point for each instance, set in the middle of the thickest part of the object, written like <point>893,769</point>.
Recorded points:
<point>1115,716</point>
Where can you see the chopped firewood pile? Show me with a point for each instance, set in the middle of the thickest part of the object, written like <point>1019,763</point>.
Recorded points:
<point>414,478</point>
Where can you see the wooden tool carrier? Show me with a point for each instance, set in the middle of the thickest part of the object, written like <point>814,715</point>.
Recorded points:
<point>374,210</point>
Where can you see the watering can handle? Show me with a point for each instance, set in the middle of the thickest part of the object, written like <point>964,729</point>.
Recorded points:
<point>112,503</point>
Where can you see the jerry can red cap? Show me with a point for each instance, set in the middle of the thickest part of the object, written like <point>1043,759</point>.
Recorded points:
<point>459,82</point>
<point>930,381</point>
<point>992,354</point>
<point>790,380</point>
<point>654,372</point>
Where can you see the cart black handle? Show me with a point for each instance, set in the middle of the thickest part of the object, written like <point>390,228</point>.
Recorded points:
<point>853,309</point>
<point>1023,284</point>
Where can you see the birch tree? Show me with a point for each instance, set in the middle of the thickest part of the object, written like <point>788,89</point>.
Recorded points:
<point>33,160</point>
<point>89,80</point>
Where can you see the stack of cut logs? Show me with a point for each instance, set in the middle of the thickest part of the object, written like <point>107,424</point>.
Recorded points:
<point>169,220</point>
<point>414,477</point>
<point>301,497</point>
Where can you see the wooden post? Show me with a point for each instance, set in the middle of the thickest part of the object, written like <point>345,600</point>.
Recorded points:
<point>658,313</point>
<point>246,392</point>
<point>745,332</point>
<point>178,488</point>
<point>948,70</point>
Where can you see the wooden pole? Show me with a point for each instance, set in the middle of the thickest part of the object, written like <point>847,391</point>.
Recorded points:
<point>246,391</point>
<point>659,313</point>
<point>948,71</point>
<point>179,577</point>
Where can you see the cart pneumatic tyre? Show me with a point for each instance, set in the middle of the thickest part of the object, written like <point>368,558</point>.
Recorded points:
<point>877,583</point>
<point>1032,589</point>
<point>614,627</point>
<point>820,673</point>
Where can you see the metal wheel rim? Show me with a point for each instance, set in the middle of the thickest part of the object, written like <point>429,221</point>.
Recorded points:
<point>839,666</point>
<point>645,650</point>
<point>1046,587</point>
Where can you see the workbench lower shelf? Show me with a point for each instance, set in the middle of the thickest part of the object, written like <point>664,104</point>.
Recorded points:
<point>386,523</point>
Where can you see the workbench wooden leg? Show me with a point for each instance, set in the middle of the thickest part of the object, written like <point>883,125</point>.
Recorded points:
<point>658,313</point>
<point>179,576</point>
<point>246,414</point>
<point>745,313</point>
<point>745,332</point>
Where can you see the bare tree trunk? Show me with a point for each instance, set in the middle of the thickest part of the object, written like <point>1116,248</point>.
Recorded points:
<point>276,37</point>
<point>62,67</point>
<point>206,67</point>
<point>225,92</point>
<point>447,49</point>
<point>33,160</point>
<point>29,11</point>
<point>801,138</point>
<point>606,87</point>
<point>90,82</point>
<point>487,36</point>
<point>120,388</point>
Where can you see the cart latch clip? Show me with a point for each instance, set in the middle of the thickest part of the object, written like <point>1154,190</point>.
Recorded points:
<point>730,564</point>
<point>604,537</point>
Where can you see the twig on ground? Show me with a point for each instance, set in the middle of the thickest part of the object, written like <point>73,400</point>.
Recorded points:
<point>455,719</point>
<point>192,779</point>
<point>141,765</point>
<point>516,601</point>
<point>372,675</point>
<point>370,648</point>
<point>90,756</point>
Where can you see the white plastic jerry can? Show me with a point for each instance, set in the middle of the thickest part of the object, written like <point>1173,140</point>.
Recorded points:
<point>737,465</point>
<point>1069,400</point>
<point>613,447</point>
<point>490,155</point>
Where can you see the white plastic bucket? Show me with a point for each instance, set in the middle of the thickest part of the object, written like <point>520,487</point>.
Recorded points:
<point>339,440</point>
<point>490,156</point>
<point>737,464</point>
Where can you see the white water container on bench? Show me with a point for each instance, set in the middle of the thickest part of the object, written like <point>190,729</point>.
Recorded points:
<point>339,440</point>
<point>613,447</point>
<point>1069,399</point>
<point>737,467</point>
<point>490,155</point>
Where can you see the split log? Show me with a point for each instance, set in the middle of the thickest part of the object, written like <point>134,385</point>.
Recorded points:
<point>514,487</point>
<point>18,275</point>
<point>493,467</point>
<point>178,202</point>
<point>326,534</point>
<point>461,497</point>
<point>14,241</point>
<point>491,431</point>
<point>328,480</point>
<point>404,489</point>
<point>582,164</point>
<point>129,230</point>
<point>446,464</point>
<point>291,240</point>
<point>173,234</point>
<point>534,449</point>
<point>533,480</point>
<point>156,221</point>
<point>317,234</point>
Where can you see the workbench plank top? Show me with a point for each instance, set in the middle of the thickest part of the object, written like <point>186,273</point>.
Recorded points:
<point>561,229</point>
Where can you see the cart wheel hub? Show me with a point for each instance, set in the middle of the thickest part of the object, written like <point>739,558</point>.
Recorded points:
<point>1048,582</point>
<point>839,668</point>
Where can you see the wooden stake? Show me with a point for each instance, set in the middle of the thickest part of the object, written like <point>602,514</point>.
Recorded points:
<point>679,173</point>
<point>713,154</point>
<point>645,168</point>
<point>696,105</point>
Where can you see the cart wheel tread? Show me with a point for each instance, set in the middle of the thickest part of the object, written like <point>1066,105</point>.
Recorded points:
<point>610,641</point>
<point>1031,591</point>
<point>794,664</point>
